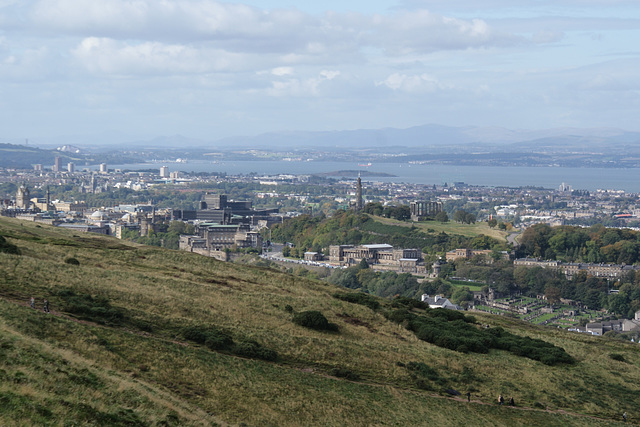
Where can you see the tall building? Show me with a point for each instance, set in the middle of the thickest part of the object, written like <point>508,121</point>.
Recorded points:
<point>37,167</point>
<point>359,204</point>
<point>103,168</point>
<point>56,164</point>
<point>71,167</point>
<point>22,197</point>
<point>164,172</point>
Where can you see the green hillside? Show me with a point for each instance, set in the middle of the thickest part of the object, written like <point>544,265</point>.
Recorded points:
<point>139,335</point>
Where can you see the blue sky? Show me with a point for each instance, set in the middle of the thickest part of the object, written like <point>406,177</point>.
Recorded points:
<point>208,69</point>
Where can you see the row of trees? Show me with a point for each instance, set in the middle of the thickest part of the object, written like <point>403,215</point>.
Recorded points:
<point>595,244</point>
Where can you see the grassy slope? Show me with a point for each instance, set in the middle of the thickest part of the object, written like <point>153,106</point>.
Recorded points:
<point>56,368</point>
<point>467,230</point>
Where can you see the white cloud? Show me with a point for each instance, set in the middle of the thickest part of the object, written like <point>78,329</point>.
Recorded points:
<point>107,56</point>
<point>412,83</point>
<point>282,71</point>
<point>302,87</point>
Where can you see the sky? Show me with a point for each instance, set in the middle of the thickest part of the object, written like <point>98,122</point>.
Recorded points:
<point>208,69</point>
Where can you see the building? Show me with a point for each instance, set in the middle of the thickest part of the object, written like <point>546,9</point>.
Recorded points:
<point>164,172</point>
<point>421,210</point>
<point>103,168</point>
<point>466,253</point>
<point>313,256</point>
<point>217,208</point>
<point>69,206</point>
<point>71,167</point>
<point>56,164</point>
<point>608,271</point>
<point>211,238</point>
<point>379,257</point>
<point>621,325</point>
<point>22,197</point>
<point>438,301</point>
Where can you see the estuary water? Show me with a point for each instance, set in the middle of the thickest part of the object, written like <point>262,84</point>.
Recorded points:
<point>590,179</point>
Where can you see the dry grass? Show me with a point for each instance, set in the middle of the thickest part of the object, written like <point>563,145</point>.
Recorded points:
<point>467,230</point>
<point>159,375</point>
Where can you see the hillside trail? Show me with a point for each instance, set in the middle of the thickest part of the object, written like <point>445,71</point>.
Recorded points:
<point>308,370</point>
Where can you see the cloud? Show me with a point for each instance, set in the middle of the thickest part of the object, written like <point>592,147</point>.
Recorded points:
<point>412,83</point>
<point>107,56</point>
<point>282,71</point>
<point>242,28</point>
<point>302,87</point>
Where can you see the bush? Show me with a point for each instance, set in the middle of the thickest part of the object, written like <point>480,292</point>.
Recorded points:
<point>255,351</point>
<point>72,261</point>
<point>211,337</point>
<point>96,309</point>
<point>345,373</point>
<point>314,320</point>
<point>7,247</point>
<point>617,356</point>
<point>453,330</point>
<point>359,298</point>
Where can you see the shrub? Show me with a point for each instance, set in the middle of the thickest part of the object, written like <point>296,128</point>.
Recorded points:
<point>211,337</point>
<point>314,320</point>
<point>345,373</point>
<point>617,356</point>
<point>72,261</point>
<point>453,330</point>
<point>255,351</point>
<point>359,298</point>
<point>97,309</point>
<point>7,247</point>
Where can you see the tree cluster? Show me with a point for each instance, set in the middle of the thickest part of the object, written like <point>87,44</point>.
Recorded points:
<point>596,244</point>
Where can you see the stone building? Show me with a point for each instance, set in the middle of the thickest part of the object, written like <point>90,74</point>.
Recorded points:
<point>379,257</point>
<point>22,197</point>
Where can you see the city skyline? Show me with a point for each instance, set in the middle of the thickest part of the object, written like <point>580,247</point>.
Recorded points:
<point>210,70</point>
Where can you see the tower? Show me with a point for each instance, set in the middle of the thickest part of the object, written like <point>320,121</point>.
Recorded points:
<point>22,197</point>
<point>359,194</point>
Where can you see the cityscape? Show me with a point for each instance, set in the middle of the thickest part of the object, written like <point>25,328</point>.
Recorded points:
<point>351,214</point>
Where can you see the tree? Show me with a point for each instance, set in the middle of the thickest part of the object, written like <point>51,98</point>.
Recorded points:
<point>461,296</point>
<point>442,217</point>
<point>492,222</point>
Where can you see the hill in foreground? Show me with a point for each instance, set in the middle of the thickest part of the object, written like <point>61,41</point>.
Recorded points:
<point>144,336</point>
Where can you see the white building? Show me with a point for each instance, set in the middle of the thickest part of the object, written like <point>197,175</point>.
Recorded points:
<point>438,301</point>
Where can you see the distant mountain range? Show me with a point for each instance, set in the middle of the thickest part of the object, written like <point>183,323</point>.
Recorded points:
<point>434,136</point>
<point>488,146</point>
<point>414,137</point>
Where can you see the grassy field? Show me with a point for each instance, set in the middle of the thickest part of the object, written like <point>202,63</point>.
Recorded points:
<point>114,352</point>
<point>467,230</point>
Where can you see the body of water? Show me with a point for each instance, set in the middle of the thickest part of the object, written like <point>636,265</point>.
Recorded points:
<point>492,176</point>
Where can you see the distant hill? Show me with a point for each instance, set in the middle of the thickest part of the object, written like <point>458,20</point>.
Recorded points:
<point>23,156</point>
<point>425,136</point>
<point>144,336</point>
<point>428,135</point>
